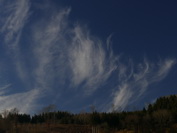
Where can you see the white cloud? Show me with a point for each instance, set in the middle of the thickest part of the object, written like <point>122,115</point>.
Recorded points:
<point>122,97</point>
<point>165,67</point>
<point>73,51</point>
<point>89,62</point>
<point>135,82</point>
<point>68,58</point>
<point>48,46</point>
<point>3,89</point>
<point>14,17</point>
<point>24,101</point>
<point>14,23</point>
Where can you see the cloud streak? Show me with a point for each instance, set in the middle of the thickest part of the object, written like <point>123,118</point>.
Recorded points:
<point>65,60</point>
<point>14,17</point>
<point>23,101</point>
<point>135,82</point>
<point>62,50</point>
<point>14,22</point>
<point>89,62</point>
<point>47,48</point>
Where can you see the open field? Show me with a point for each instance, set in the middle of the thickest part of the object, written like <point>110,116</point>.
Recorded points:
<point>54,128</point>
<point>57,128</point>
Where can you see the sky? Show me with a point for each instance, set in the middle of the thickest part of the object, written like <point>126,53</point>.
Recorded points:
<point>111,54</point>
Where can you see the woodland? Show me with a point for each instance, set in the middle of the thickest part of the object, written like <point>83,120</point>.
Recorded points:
<point>159,117</point>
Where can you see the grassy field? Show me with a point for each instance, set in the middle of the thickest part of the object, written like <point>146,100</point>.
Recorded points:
<point>57,128</point>
<point>47,128</point>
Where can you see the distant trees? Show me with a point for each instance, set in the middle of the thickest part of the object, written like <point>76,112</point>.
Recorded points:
<point>157,117</point>
<point>162,118</point>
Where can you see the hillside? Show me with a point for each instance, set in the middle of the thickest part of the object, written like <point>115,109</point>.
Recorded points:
<point>158,117</point>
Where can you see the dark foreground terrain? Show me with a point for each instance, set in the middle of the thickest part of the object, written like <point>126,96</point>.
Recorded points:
<point>160,117</point>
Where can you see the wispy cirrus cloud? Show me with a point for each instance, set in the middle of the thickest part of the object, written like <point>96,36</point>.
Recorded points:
<point>4,88</point>
<point>134,80</point>
<point>23,101</point>
<point>14,19</point>
<point>14,16</point>
<point>87,64</point>
<point>91,65</point>
<point>66,59</point>
<point>48,46</point>
<point>70,53</point>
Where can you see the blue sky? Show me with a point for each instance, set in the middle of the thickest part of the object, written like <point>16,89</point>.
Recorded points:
<point>75,54</point>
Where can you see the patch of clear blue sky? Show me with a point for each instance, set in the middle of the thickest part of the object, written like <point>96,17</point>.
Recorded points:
<point>138,27</point>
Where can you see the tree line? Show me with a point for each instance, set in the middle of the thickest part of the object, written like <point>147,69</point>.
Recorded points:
<point>160,116</point>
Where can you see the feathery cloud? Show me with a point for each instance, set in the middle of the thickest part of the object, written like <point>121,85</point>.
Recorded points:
<point>89,62</point>
<point>134,83</point>
<point>25,101</point>
<point>13,22</point>
<point>14,17</point>
<point>66,58</point>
